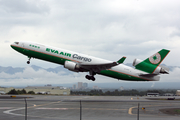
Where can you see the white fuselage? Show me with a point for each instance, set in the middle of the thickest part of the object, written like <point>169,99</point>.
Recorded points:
<point>79,58</point>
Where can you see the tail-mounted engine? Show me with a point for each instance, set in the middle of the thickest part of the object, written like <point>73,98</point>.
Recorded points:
<point>150,68</point>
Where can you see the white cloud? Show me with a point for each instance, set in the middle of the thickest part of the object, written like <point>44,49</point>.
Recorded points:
<point>31,77</point>
<point>42,77</point>
<point>24,6</point>
<point>101,28</point>
<point>173,76</point>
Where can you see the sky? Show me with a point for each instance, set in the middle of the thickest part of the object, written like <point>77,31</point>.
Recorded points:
<point>108,29</point>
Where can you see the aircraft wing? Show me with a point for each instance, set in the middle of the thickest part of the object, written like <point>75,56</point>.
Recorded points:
<point>99,67</point>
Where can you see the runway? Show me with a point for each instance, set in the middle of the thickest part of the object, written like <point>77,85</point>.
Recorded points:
<point>42,107</point>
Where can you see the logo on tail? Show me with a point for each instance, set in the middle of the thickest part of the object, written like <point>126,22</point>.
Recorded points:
<point>155,59</point>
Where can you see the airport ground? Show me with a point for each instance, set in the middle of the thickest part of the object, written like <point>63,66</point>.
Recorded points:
<point>47,107</point>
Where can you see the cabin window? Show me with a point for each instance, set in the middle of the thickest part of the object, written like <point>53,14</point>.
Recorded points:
<point>16,43</point>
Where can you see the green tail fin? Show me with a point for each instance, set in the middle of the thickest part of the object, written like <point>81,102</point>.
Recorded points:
<point>150,64</point>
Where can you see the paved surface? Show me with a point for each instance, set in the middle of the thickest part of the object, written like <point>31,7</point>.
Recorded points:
<point>93,108</point>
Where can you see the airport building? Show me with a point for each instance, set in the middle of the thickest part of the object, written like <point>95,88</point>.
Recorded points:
<point>40,90</point>
<point>74,86</point>
<point>178,92</point>
<point>95,87</point>
<point>152,94</point>
<point>85,85</point>
<point>48,90</point>
<point>168,94</point>
<point>80,85</point>
<point>4,90</point>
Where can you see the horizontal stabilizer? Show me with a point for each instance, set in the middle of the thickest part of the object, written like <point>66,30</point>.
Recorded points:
<point>147,75</point>
<point>121,60</point>
<point>164,69</point>
<point>153,77</point>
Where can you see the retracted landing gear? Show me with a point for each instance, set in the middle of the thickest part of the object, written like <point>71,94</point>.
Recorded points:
<point>91,76</point>
<point>29,58</point>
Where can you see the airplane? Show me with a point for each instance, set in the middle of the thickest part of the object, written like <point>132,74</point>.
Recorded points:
<point>143,70</point>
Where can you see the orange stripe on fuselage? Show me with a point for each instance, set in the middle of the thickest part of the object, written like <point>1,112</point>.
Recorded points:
<point>77,61</point>
<point>46,53</point>
<point>129,75</point>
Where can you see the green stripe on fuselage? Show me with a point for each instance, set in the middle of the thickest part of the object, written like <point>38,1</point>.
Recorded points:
<point>118,75</point>
<point>40,55</point>
<point>59,60</point>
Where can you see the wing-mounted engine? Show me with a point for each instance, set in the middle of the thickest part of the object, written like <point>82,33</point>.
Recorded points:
<point>150,68</point>
<point>73,66</point>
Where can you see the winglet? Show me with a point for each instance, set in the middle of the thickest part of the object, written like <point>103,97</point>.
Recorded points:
<point>121,60</point>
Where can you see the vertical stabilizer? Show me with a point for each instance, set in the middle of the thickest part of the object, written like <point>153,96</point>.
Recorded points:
<point>150,64</point>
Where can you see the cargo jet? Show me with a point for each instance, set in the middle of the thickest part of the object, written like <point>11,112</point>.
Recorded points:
<point>147,70</point>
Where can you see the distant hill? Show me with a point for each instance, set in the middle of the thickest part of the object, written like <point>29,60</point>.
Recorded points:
<point>127,85</point>
<point>11,70</point>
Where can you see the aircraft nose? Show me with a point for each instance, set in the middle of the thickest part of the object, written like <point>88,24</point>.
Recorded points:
<point>11,44</point>
<point>14,44</point>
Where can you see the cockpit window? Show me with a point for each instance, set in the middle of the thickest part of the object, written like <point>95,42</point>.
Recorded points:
<point>16,43</point>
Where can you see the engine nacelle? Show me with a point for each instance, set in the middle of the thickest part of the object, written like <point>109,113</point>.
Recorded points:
<point>161,70</point>
<point>71,66</point>
<point>136,61</point>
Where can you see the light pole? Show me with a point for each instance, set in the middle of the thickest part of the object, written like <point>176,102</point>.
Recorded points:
<point>25,109</point>
<point>80,110</point>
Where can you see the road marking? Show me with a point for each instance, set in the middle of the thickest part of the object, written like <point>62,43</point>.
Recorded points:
<point>52,108</point>
<point>130,109</point>
<point>10,111</point>
<point>6,107</point>
<point>77,108</point>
